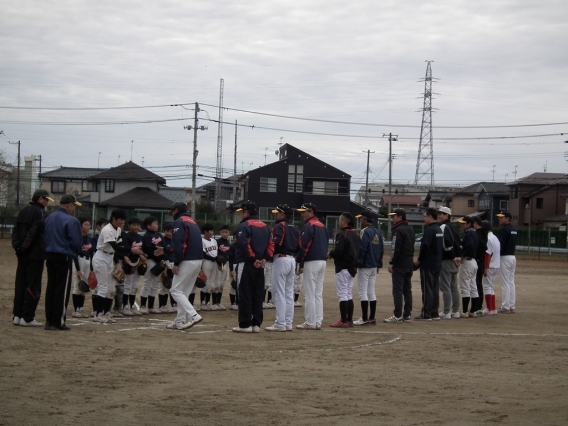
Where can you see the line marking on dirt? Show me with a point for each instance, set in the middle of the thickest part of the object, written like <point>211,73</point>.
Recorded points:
<point>433,333</point>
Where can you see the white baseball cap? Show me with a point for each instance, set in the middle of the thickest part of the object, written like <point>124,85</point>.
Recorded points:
<point>445,210</point>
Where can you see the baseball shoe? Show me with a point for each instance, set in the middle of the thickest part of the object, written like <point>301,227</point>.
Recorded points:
<point>32,323</point>
<point>175,326</point>
<point>464,314</point>
<point>255,329</point>
<point>213,308</point>
<point>271,305</point>
<point>101,319</point>
<point>488,312</point>
<point>306,326</point>
<point>144,310</point>
<point>503,311</point>
<point>318,325</point>
<point>242,330</point>
<point>154,311</point>
<point>127,312</point>
<point>444,316</point>
<point>220,307</point>
<point>77,314</point>
<point>108,316</point>
<point>164,310</point>
<point>407,319</point>
<point>512,310</point>
<point>234,307</point>
<point>456,315</point>
<point>16,320</point>
<point>205,307</point>
<point>421,318</point>
<point>196,319</point>
<point>117,313</point>
<point>473,314</point>
<point>339,324</point>
<point>197,307</point>
<point>264,305</point>
<point>83,313</point>
<point>361,321</point>
<point>173,309</point>
<point>274,328</point>
<point>62,327</point>
<point>297,304</point>
<point>136,311</point>
<point>393,320</point>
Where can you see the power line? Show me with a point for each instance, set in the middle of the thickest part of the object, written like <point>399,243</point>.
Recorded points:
<point>95,108</point>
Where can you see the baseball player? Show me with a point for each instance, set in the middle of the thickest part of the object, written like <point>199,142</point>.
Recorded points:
<point>369,263</point>
<point>508,241</point>
<point>27,241</point>
<point>468,269</point>
<point>164,293</point>
<point>209,266</point>
<point>345,256</point>
<point>312,259</point>
<point>480,258</point>
<point>100,224</point>
<point>151,242</point>
<point>233,268</point>
<point>188,255</point>
<point>133,240</point>
<point>81,269</point>
<point>286,237</point>
<point>254,248</point>
<point>492,264</point>
<point>223,247</point>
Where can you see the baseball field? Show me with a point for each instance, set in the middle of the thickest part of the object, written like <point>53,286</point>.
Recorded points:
<point>505,369</point>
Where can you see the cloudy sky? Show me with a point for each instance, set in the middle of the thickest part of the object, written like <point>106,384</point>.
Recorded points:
<point>71,71</point>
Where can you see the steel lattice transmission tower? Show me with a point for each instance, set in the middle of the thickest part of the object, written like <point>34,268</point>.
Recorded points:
<point>425,162</point>
<point>219,169</point>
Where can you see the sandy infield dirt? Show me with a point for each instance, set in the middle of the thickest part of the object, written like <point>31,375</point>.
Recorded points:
<point>506,369</point>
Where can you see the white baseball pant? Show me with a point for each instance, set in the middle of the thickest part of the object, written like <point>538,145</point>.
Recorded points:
<point>366,282</point>
<point>182,285</point>
<point>507,280</point>
<point>283,272</point>
<point>314,274</point>
<point>151,281</point>
<point>344,285</point>
<point>468,271</point>
<point>103,266</point>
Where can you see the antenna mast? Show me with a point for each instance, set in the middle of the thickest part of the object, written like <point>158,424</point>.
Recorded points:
<point>425,162</point>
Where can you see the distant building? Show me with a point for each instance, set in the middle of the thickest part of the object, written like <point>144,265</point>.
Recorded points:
<point>484,199</point>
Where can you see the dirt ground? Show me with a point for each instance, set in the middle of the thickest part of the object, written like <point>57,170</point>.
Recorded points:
<point>506,369</point>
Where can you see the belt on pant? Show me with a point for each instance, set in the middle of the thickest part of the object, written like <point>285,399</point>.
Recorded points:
<point>83,256</point>
<point>469,258</point>
<point>108,252</point>
<point>285,255</point>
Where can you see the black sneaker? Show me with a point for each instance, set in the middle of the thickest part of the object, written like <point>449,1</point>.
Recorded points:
<point>47,325</point>
<point>421,318</point>
<point>62,327</point>
<point>407,319</point>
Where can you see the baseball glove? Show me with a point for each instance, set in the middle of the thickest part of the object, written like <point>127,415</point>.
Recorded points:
<point>92,281</point>
<point>201,279</point>
<point>118,273</point>
<point>83,287</point>
<point>166,281</point>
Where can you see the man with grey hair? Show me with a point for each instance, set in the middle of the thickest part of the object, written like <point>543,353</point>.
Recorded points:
<point>451,259</point>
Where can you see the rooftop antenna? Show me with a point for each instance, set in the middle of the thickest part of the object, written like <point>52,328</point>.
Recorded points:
<point>131,146</point>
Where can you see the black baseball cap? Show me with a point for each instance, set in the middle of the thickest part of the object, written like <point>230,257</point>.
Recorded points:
<point>504,213</point>
<point>398,212</point>
<point>41,193</point>
<point>69,199</point>
<point>367,214</point>
<point>283,208</point>
<point>466,219</point>
<point>181,206</point>
<point>308,206</point>
<point>247,206</point>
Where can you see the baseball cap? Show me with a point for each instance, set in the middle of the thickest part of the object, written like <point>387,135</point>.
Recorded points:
<point>504,213</point>
<point>178,205</point>
<point>466,219</point>
<point>247,206</point>
<point>69,199</point>
<point>366,213</point>
<point>445,210</point>
<point>349,217</point>
<point>41,193</point>
<point>398,212</point>
<point>283,208</point>
<point>308,206</point>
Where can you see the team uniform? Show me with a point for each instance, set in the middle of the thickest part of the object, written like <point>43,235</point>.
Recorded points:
<point>508,241</point>
<point>223,247</point>
<point>468,271</point>
<point>150,243</point>
<point>81,263</point>
<point>233,268</point>
<point>285,236</point>
<point>163,292</point>
<point>132,279</point>
<point>430,258</point>
<point>494,262</point>
<point>449,272</point>
<point>209,267</point>
<point>370,259</point>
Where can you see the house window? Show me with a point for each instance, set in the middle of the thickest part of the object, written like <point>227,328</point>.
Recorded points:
<point>295,175</point>
<point>267,184</point>
<point>87,186</point>
<point>109,185</point>
<point>325,188</point>
<point>471,203</point>
<point>58,186</point>
<point>515,192</point>
<point>504,205</point>
<point>539,203</point>
<point>265,214</point>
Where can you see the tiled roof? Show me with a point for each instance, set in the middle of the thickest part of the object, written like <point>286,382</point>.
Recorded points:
<point>130,171</point>
<point>490,188</point>
<point>139,198</point>
<point>71,173</point>
<point>541,178</point>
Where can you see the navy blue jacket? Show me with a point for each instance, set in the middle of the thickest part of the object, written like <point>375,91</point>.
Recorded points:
<point>372,248</point>
<point>27,234</point>
<point>254,241</point>
<point>286,237</point>
<point>187,239</point>
<point>470,243</point>
<point>402,254</point>
<point>63,233</point>
<point>431,249</point>
<point>508,240</point>
<point>314,240</point>
<point>168,249</point>
<point>150,242</point>
<point>346,251</point>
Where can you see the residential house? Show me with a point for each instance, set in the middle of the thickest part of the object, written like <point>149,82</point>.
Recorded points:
<point>484,199</point>
<point>435,199</point>
<point>69,180</point>
<point>539,200</point>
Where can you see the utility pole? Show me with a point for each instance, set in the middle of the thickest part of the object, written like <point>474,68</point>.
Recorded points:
<point>367,179</point>
<point>39,175</point>
<point>515,172</point>
<point>391,138</point>
<point>493,172</point>
<point>235,167</point>
<point>219,169</point>
<point>17,174</point>
<point>195,152</point>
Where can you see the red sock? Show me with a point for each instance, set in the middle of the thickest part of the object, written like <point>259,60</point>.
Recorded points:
<point>488,301</point>
<point>493,307</point>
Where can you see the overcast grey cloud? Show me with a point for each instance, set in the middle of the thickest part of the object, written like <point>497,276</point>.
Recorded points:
<point>498,63</point>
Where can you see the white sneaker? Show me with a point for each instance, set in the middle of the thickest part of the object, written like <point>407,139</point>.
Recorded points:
<point>205,307</point>
<point>83,313</point>
<point>264,305</point>
<point>221,307</point>
<point>255,329</point>
<point>144,310</point>
<point>393,320</point>
<point>154,311</point>
<point>456,315</point>
<point>116,313</point>
<point>16,320</point>
<point>234,307</point>
<point>77,314</point>
<point>32,323</point>
<point>306,326</point>
<point>197,307</point>
<point>165,310</point>
<point>464,314</point>
<point>196,319</point>
<point>100,318</point>
<point>127,312</point>
<point>445,316</point>
<point>297,304</point>
<point>212,308</point>
<point>361,321</point>
<point>109,318</point>
<point>318,326</point>
<point>175,326</point>
<point>274,328</point>
<point>270,305</point>
<point>172,310</point>
<point>242,330</point>
<point>503,311</point>
<point>136,311</point>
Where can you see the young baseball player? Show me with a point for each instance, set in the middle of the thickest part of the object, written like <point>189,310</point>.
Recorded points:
<point>223,246</point>
<point>268,286</point>
<point>298,278</point>
<point>163,293</point>
<point>100,224</point>
<point>81,269</point>
<point>492,265</point>
<point>233,268</point>
<point>132,239</point>
<point>209,266</point>
<point>468,268</point>
<point>151,242</point>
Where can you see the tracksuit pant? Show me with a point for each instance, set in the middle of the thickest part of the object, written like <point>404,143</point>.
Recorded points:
<point>28,287</point>
<point>449,286</point>
<point>402,290</point>
<point>251,294</point>
<point>59,274</point>
<point>182,286</point>
<point>283,274</point>
<point>429,283</point>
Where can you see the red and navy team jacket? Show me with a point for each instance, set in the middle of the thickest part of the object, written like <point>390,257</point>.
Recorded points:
<point>187,243</point>
<point>313,241</point>
<point>254,241</point>
<point>286,237</point>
